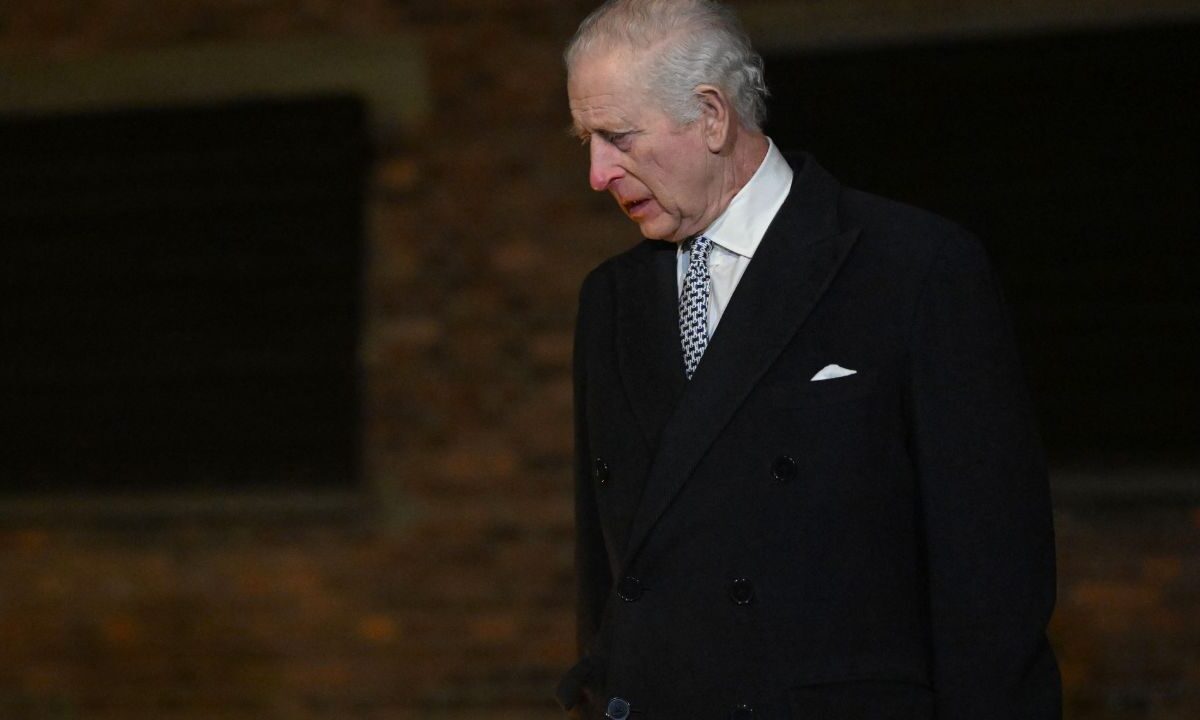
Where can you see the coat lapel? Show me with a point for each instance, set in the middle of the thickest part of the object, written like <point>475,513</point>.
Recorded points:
<point>648,351</point>
<point>794,264</point>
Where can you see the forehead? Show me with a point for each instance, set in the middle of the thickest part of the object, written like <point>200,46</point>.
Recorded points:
<point>603,87</point>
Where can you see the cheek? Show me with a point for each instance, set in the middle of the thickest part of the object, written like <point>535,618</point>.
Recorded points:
<point>675,173</point>
<point>688,188</point>
<point>670,187</point>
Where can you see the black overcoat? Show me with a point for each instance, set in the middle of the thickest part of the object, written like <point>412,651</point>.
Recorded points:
<point>754,544</point>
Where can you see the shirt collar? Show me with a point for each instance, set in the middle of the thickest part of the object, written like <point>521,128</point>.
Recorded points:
<point>741,227</point>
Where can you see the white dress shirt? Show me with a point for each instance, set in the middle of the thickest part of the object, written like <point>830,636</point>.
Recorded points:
<point>735,235</point>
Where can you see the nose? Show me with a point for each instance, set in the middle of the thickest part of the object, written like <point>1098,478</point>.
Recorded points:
<point>604,168</point>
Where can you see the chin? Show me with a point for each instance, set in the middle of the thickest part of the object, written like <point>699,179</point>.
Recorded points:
<point>650,232</point>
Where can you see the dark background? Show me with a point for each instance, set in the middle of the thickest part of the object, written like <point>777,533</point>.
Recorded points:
<point>1076,158</point>
<point>182,296</point>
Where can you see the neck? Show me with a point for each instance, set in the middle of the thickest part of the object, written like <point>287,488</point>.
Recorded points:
<point>746,151</point>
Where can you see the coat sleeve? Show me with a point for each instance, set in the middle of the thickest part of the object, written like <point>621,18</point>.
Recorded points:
<point>592,576</point>
<point>986,519</point>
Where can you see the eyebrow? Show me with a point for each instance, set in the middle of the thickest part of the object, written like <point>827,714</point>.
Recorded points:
<point>582,134</point>
<point>577,131</point>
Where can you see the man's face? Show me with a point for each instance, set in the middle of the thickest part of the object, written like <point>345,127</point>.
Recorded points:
<point>660,172</point>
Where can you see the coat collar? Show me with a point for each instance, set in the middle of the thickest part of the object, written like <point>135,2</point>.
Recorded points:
<point>795,262</point>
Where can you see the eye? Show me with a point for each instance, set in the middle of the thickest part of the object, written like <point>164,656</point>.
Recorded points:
<point>620,140</point>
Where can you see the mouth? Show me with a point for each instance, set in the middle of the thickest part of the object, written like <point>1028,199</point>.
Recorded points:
<point>633,207</point>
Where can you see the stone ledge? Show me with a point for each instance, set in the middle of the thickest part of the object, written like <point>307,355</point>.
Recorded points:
<point>1167,485</point>
<point>388,72</point>
<point>264,506</point>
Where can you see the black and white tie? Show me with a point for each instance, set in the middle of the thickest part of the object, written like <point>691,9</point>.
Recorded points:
<point>693,306</point>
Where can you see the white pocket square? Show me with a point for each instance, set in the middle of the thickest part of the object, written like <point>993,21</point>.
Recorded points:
<point>829,372</point>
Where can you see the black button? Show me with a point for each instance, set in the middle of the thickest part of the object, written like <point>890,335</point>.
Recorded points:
<point>741,591</point>
<point>784,468</point>
<point>629,589</point>
<point>742,712</point>
<point>618,709</point>
<point>600,471</point>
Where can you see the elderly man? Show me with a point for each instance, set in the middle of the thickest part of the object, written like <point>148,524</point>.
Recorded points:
<point>808,485</point>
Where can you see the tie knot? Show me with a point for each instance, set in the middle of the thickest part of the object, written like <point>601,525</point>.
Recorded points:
<point>700,248</point>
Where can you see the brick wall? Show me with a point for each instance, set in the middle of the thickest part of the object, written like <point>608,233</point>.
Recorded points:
<point>1127,626</point>
<point>449,596</point>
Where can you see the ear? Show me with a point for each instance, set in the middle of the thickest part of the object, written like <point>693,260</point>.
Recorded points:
<point>716,117</point>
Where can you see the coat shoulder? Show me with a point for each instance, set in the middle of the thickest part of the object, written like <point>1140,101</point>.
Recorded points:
<point>909,236</point>
<point>918,229</point>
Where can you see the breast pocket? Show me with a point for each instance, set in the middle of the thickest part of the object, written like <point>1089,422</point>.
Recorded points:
<point>801,393</point>
<point>862,700</point>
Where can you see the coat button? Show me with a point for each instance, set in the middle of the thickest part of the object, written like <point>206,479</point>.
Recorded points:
<point>629,589</point>
<point>742,712</point>
<point>600,471</point>
<point>741,591</point>
<point>618,709</point>
<point>784,468</point>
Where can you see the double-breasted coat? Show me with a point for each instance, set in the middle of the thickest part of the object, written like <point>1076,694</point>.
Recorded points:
<point>755,544</point>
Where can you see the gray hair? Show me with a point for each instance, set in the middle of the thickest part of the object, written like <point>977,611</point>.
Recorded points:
<point>696,41</point>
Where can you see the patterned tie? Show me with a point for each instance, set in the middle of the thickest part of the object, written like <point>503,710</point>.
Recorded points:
<point>693,306</point>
